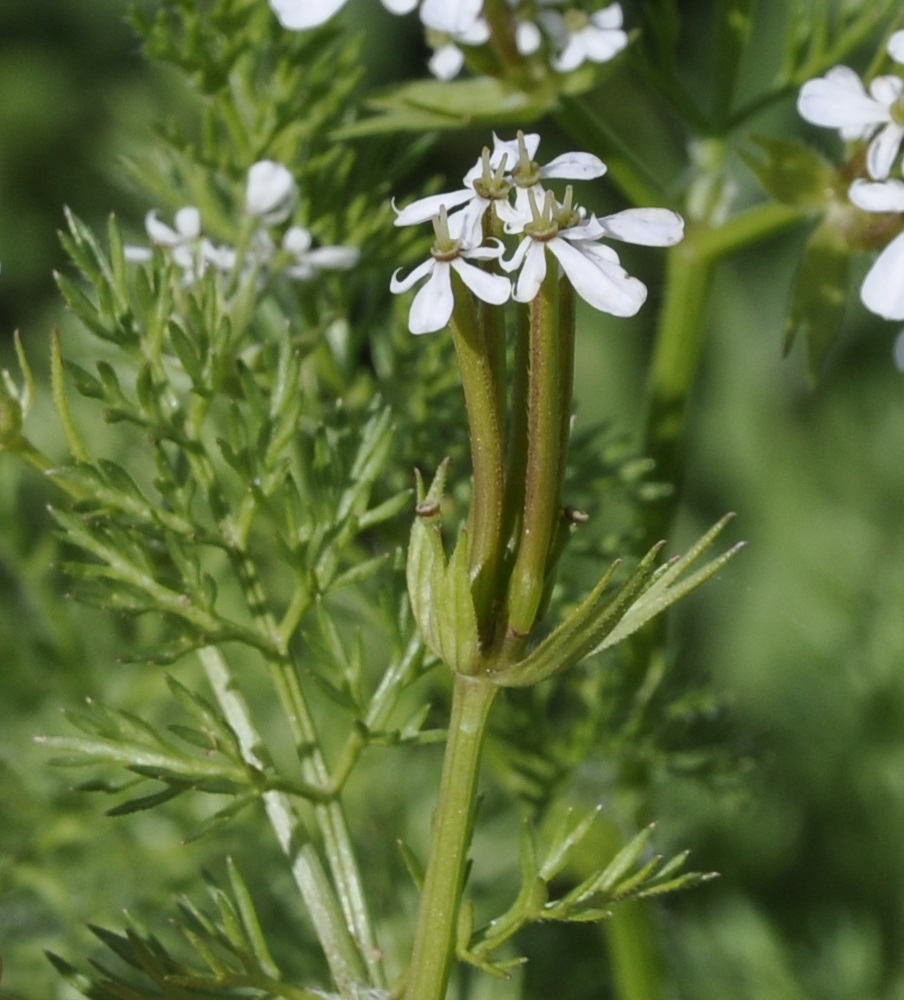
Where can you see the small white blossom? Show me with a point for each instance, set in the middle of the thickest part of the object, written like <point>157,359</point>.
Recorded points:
<point>307,262</point>
<point>188,249</point>
<point>840,100</point>
<point>592,268</point>
<point>447,59</point>
<point>582,37</point>
<point>882,291</point>
<point>270,192</point>
<point>432,307</point>
<point>300,15</point>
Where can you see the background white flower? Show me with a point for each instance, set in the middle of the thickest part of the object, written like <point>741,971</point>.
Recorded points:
<point>597,37</point>
<point>882,291</point>
<point>300,15</point>
<point>270,192</point>
<point>840,100</point>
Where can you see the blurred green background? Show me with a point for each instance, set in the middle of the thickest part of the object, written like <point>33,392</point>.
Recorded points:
<point>803,635</point>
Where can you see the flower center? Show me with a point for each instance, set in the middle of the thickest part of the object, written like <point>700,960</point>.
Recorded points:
<point>527,172</point>
<point>444,247</point>
<point>492,184</point>
<point>897,111</point>
<point>575,20</point>
<point>544,224</point>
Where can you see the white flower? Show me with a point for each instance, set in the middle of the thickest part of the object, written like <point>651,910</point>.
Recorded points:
<point>448,59</point>
<point>597,37</point>
<point>299,15</point>
<point>510,163</point>
<point>592,268</point>
<point>270,192</point>
<point>882,291</point>
<point>307,262</point>
<point>839,100</point>
<point>189,251</point>
<point>432,307</point>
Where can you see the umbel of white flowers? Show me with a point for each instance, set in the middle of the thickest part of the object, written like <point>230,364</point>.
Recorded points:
<point>874,115</point>
<point>510,184</point>
<point>571,38</point>
<point>270,199</point>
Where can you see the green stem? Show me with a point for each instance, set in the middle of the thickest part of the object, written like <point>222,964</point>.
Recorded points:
<point>547,414</point>
<point>339,948</point>
<point>479,359</point>
<point>435,937</point>
<point>679,340</point>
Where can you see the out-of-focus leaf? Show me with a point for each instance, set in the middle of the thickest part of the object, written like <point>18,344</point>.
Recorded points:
<point>819,295</point>
<point>792,172</point>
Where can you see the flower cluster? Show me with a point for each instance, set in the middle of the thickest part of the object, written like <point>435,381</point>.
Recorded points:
<point>570,35</point>
<point>505,192</point>
<point>270,199</point>
<point>874,115</point>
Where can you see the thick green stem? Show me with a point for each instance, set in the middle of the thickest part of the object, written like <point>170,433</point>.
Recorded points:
<point>479,358</point>
<point>673,365</point>
<point>547,413</point>
<point>679,341</point>
<point>434,944</point>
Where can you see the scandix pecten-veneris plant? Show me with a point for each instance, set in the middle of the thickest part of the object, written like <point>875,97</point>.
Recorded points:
<point>251,504</point>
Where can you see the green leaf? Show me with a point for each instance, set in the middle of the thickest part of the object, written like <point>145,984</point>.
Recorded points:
<point>441,594</point>
<point>432,104</point>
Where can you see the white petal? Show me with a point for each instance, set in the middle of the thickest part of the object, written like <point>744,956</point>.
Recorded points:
<point>399,6</point>
<point>882,151</point>
<point>396,286</point>
<point>269,192</point>
<point>839,100</point>
<point>297,240</point>
<point>886,89</point>
<point>492,288</point>
<point>446,62</point>
<point>527,38</point>
<point>188,222</point>
<point>609,17</point>
<point>575,166</point>
<point>298,15</point>
<point>432,306</point>
<point>603,45</point>
<point>334,258</point>
<point>517,258</point>
<point>159,232</point>
<point>887,196</point>
<point>533,271</point>
<point>428,208</point>
<point>882,291</point>
<point>453,17</point>
<point>573,55</point>
<point>137,255</point>
<point>649,227</point>
<point>604,285</point>
<point>486,252</point>
<point>896,46</point>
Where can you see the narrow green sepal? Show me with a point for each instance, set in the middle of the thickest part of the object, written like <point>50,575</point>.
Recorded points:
<point>792,172</point>
<point>440,592</point>
<point>819,295</point>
